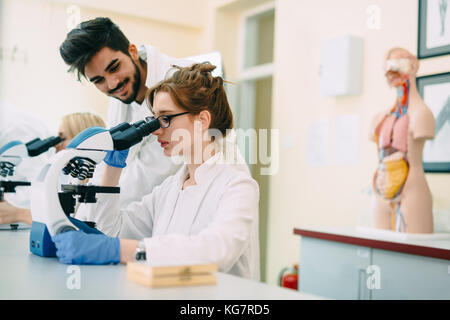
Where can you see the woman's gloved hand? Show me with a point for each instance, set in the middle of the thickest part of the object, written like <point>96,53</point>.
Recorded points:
<point>116,159</point>
<point>77,247</point>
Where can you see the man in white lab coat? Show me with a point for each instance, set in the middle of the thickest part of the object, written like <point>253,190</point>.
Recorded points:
<point>99,51</point>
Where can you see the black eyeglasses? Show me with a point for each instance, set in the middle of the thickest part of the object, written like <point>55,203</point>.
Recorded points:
<point>164,120</point>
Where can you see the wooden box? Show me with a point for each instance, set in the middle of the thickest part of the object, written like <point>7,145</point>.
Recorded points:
<point>167,276</point>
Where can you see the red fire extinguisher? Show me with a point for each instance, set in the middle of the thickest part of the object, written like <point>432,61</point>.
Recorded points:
<point>288,277</point>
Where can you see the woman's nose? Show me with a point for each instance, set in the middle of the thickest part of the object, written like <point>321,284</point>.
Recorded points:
<point>157,132</point>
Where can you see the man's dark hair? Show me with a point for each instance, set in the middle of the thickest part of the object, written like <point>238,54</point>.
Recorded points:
<point>88,38</point>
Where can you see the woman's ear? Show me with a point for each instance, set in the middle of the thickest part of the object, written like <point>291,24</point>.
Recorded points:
<point>134,52</point>
<point>205,118</point>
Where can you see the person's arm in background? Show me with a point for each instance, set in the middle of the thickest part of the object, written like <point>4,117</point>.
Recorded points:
<point>12,214</point>
<point>115,162</point>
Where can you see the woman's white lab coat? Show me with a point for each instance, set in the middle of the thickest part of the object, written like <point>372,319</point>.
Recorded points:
<point>214,221</point>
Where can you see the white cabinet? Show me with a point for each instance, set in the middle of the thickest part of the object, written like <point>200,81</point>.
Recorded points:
<point>341,66</point>
<point>407,276</point>
<point>333,270</point>
<point>343,266</point>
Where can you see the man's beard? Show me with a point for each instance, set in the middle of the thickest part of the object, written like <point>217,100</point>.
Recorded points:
<point>136,84</point>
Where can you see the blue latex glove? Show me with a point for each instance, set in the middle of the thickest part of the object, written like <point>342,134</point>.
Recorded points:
<point>77,247</point>
<point>116,159</point>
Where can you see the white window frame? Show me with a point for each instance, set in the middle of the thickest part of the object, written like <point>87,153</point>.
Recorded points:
<point>247,76</point>
<point>258,71</point>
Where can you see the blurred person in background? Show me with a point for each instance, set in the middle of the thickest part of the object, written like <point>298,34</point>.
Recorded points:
<point>13,210</point>
<point>24,126</point>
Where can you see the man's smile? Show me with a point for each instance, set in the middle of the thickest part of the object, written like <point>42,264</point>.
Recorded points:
<point>121,90</point>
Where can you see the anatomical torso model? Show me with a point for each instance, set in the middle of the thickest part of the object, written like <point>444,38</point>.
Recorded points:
<point>403,199</point>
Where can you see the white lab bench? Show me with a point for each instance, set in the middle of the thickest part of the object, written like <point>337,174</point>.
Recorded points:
<point>371,264</point>
<point>24,275</point>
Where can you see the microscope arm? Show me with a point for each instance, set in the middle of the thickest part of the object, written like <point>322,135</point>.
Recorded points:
<point>14,151</point>
<point>45,205</point>
<point>90,144</point>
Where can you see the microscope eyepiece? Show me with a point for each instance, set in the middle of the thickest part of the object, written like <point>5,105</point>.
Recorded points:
<point>124,139</point>
<point>37,146</point>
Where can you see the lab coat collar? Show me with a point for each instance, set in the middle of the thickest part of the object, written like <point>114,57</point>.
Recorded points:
<point>227,153</point>
<point>204,173</point>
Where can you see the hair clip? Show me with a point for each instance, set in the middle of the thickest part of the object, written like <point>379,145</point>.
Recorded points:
<point>230,82</point>
<point>178,67</point>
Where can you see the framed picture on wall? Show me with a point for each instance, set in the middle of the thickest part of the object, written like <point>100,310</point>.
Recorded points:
<point>434,28</point>
<point>435,91</point>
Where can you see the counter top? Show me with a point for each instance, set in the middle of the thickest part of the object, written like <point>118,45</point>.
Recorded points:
<point>428,245</point>
<point>24,275</point>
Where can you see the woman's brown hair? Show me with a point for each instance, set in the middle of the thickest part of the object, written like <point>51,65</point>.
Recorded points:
<point>194,89</point>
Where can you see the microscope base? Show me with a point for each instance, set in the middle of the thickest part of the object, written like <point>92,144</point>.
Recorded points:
<point>41,242</point>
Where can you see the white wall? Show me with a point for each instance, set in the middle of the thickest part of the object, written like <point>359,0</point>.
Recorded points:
<point>182,13</point>
<point>41,85</point>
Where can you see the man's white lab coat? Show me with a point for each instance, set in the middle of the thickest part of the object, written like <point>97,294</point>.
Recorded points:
<point>214,221</point>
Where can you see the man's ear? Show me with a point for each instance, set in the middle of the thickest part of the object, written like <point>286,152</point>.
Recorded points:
<point>134,52</point>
